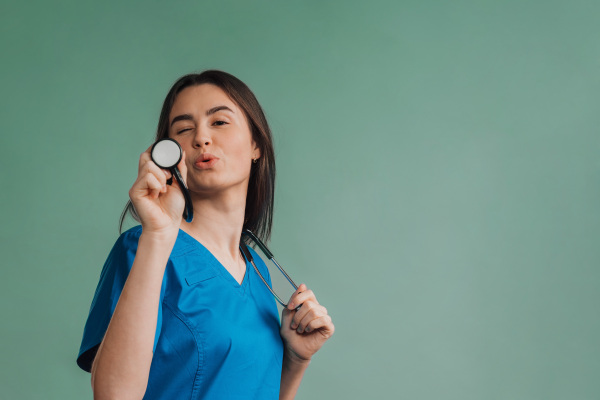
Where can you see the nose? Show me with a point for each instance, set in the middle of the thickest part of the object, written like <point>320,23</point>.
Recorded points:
<point>201,139</point>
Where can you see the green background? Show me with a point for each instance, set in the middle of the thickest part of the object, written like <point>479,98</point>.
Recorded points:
<point>438,180</point>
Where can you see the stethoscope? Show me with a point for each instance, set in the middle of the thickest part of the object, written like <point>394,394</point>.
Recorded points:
<point>268,255</point>
<point>166,153</point>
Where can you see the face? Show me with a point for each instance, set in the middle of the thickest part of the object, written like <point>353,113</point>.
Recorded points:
<point>214,133</point>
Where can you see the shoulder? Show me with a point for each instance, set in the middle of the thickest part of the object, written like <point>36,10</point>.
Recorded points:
<point>130,237</point>
<point>123,252</point>
<point>127,243</point>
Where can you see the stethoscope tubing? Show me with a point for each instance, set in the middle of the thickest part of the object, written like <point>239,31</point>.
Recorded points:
<point>271,258</point>
<point>188,213</point>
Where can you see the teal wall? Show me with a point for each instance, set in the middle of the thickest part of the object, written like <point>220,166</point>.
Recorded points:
<point>438,180</point>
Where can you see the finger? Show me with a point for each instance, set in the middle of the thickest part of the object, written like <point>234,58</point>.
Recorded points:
<point>291,305</point>
<point>146,186</point>
<point>307,313</point>
<point>323,323</point>
<point>301,320</point>
<point>154,186</point>
<point>144,158</point>
<point>302,295</point>
<point>161,174</point>
<point>297,315</point>
<point>286,317</point>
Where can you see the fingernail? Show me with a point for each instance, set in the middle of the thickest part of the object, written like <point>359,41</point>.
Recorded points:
<point>291,306</point>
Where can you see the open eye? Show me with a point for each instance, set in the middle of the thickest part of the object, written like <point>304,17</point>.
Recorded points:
<point>219,123</point>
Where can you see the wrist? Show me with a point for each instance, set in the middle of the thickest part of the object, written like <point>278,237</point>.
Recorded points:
<point>291,359</point>
<point>160,244</point>
<point>159,237</point>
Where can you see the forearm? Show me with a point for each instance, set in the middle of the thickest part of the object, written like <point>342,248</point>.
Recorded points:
<point>292,372</point>
<point>122,363</point>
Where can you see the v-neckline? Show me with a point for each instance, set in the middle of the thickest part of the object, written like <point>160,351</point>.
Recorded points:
<point>225,272</point>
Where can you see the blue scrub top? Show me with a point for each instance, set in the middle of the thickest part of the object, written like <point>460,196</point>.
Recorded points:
<point>215,338</point>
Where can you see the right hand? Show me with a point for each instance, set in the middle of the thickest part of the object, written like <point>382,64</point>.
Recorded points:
<point>160,206</point>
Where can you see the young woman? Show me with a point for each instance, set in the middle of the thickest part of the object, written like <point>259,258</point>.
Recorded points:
<point>178,313</point>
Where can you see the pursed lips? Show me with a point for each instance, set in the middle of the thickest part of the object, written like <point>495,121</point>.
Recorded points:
<point>205,161</point>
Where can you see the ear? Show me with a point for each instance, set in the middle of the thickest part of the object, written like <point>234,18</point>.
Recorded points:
<point>256,154</point>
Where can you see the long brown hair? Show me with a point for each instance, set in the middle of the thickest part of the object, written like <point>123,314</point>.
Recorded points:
<point>261,186</point>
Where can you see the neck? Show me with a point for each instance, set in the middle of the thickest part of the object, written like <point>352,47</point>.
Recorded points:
<point>218,221</point>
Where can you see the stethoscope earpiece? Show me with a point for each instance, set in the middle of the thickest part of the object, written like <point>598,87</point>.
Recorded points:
<point>166,153</point>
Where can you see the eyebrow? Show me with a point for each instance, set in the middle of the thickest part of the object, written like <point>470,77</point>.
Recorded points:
<point>182,117</point>
<point>218,108</point>
<point>190,117</point>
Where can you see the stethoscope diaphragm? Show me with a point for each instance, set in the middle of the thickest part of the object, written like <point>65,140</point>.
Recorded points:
<point>166,153</point>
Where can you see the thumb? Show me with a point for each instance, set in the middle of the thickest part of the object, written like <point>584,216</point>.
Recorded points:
<point>286,317</point>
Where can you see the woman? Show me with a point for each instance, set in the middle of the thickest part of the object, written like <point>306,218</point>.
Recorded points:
<point>177,312</point>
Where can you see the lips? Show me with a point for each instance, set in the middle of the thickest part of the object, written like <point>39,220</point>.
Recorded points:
<point>205,161</point>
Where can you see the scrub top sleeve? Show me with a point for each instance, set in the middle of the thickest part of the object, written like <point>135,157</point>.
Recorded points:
<point>112,280</point>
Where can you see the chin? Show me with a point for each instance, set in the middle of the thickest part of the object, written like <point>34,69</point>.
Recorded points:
<point>207,186</point>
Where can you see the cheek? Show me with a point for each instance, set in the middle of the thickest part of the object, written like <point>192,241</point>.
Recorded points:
<point>243,160</point>
<point>242,147</point>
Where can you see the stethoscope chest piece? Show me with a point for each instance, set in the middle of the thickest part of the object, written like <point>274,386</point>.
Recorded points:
<point>166,153</point>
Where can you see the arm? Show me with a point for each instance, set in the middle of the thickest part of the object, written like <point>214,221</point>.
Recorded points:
<point>122,364</point>
<point>304,332</point>
<point>292,372</point>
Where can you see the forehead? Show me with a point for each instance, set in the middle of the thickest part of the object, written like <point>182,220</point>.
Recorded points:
<point>199,98</point>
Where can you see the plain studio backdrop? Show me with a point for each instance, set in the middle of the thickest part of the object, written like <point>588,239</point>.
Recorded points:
<point>438,180</point>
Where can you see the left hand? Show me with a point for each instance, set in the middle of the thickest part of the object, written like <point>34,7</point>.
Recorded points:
<point>304,331</point>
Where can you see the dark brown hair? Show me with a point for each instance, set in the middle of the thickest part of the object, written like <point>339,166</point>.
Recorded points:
<point>261,186</point>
